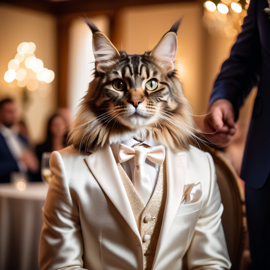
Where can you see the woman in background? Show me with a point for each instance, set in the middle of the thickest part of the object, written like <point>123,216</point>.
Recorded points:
<point>55,138</point>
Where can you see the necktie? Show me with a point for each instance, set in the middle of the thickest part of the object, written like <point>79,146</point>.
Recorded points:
<point>142,182</point>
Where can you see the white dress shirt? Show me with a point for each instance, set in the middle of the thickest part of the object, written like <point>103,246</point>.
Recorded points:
<point>14,145</point>
<point>151,168</point>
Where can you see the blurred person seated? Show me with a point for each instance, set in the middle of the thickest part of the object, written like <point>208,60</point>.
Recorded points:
<point>15,155</point>
<point>23,132</point>
<point>66,114</point>
<point>56,136</point>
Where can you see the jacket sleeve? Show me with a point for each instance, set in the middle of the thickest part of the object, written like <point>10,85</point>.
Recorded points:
<point>240,72</point>
<point>208,249</point>
<point>61,241</point>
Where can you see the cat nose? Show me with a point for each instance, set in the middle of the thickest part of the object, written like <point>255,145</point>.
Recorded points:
<point>135,102</point>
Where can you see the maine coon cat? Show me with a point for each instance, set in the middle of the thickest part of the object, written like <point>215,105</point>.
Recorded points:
<point>133,96</point>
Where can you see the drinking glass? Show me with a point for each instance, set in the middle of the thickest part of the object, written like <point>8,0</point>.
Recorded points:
<point>46,173</point>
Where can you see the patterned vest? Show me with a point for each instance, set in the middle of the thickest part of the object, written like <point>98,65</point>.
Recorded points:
<point>149,217</point>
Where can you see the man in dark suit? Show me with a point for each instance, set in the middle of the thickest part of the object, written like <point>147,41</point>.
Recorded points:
<point>14,153</point>
<point>247,66</point>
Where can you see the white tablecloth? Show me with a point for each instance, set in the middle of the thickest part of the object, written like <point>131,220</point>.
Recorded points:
<point>20,225</point>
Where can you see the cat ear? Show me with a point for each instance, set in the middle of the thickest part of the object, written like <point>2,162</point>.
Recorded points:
<point>104,51</point>
<point>165,51</point>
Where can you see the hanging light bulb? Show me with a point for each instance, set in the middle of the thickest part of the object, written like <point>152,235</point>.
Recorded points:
<point>222,8</point>
<point>30,61</point>
<point>21,74</point>
<point>32,84</point>
<point>236,7</point>
<point>50,77</point>
<point>19,56</point>
<point>32,47</point>
<point>14,64</point>
<point>210,6</point>
<point>10,75</point>
<point>38,66</point>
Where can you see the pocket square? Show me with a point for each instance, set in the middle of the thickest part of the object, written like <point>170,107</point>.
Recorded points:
<point>192,193</point>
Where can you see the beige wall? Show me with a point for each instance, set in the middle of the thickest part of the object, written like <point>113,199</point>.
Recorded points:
<point>19,25</point>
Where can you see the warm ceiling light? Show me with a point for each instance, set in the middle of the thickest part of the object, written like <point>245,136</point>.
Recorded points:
<point>10,75</point>
<point>23,83</point>
<point>19,49</point>
<point>210,6</point>
<point>51,77</point>
<point>14,64</point>
<point>19,56</point>
<point>32,47</point>
<point>222,8</point>
<point>21,74</point>
<point>38,66</point>
<point>32,84</point>
<point>236,7</point>
<point>43,75</point>
<point>25,48</point>
<point>30,62</point>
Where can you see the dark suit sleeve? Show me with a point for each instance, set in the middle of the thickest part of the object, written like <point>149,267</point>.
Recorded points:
<point>7,166</point>
<point>239,73</point>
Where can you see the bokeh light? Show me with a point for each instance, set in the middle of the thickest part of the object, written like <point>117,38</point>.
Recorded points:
<point>30,61</point>
<point>236,7</point>
<point>32,47</point>
<point>10,75</point>
<point>210,6</point>
<point>51,77</point>
<point>222,8</point>
<point>32,84</point>
<point>27,69</point>
<point>14,64</point>
<point>43,75</point>
<point>21,74</point>
<point>19,56</point>
<point>23,83</point>
<point>38,66</point>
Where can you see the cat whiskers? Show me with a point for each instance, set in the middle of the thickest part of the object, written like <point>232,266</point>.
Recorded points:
<point>99,121</point>
<point>169,119</point>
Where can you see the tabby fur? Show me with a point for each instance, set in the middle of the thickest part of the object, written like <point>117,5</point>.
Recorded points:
<point>107,114</point>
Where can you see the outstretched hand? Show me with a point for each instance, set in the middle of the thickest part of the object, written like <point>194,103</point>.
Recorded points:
<point>219,126</point>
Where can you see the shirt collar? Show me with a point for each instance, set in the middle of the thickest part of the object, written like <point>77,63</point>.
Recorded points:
<point>6,132</point>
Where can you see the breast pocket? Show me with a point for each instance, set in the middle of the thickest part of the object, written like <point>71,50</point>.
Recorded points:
<point>186,209</point>
<point>182,229</point>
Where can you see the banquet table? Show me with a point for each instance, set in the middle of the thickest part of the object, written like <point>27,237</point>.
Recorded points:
<point>20,225</point>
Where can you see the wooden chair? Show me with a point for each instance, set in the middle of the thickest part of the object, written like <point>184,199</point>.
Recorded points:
<point>233,200</point>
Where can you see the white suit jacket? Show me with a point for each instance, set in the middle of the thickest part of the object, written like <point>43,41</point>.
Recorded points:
<point>89,223</point>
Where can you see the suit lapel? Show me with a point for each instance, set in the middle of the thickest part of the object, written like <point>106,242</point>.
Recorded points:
<point>176,170</point>
<point>104,168</point>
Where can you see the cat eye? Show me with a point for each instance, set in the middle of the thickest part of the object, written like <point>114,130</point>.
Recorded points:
<point>118,85</point>
<point>151,85</point>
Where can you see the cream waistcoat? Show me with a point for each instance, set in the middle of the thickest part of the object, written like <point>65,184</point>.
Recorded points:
<point>148,218</point>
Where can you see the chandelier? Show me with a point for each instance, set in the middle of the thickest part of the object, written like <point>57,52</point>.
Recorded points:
<point>224,17</point>
<point>28,70</point>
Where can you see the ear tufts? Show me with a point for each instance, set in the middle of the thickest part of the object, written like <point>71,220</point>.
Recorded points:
<point>91,25</point>
<point>175,27</point>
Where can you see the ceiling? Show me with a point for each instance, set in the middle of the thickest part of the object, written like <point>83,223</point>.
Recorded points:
<point>58,7</point>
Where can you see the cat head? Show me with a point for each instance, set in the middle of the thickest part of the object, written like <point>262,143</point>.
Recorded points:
<point>133,96</point>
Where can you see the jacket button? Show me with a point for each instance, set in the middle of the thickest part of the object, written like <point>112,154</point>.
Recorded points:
<point>146,238</point>
<point>147,218</point>
<point>148,252</point>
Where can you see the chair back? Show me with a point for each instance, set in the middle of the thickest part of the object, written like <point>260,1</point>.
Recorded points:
<point>232,199</point>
